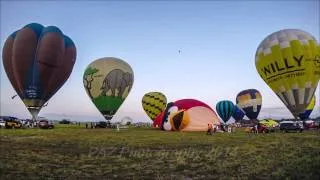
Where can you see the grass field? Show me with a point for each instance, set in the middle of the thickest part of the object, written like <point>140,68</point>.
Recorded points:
<point>73,152</point>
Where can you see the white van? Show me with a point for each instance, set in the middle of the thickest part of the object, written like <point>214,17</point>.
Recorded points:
<point>2,123</point>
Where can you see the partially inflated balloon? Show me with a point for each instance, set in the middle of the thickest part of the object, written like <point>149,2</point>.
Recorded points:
<point>154,103</point>
<point>38,60</point>
<point>250,101</point>
<point>108,82</point>
<point>225,109</point>
<point>305,115</point>
<point>188,115</point>
<point>289,62</point>
<point>238,113</point>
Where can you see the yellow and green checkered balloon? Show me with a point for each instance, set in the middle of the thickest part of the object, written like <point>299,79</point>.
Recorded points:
<point>289,62</point>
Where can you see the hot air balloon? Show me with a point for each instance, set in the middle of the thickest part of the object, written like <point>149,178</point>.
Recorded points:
<point>289,62</point>
<point>305,115</point>
<point>188,115</point>
<point>250,101</point>
<point>157,122</point>
<point>238,113</point>
<point>108,81</point>
<point>225,109</point>
<point>154,103</point>
<point>38,60</point>
<point>126,121</point>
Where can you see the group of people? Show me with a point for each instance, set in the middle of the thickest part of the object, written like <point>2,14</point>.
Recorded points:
<point>92,125</point>
<point>213,128</point>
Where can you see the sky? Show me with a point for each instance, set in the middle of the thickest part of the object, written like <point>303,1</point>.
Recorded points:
<point>184,49</point>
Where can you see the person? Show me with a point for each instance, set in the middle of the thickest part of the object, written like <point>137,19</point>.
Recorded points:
<point>233,128</point>
<point>86,125</point>
<point>214,128</point>
<point>209,132</point>
<point>229,129</point>
<point>223,127</point>
<point>256,128</point>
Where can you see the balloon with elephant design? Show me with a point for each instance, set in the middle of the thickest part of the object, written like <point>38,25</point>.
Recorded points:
<point>108,81</point>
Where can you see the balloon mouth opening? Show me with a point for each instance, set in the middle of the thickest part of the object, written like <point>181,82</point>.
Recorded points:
<point>34,111</point>
<point>107,117</point>
<point>296,116</point>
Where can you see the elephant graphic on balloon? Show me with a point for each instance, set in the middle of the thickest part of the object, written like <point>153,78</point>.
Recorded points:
<point>116,80</point>
<point>108,82</point>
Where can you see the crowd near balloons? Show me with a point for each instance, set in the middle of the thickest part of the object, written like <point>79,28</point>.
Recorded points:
<point>38,60</point>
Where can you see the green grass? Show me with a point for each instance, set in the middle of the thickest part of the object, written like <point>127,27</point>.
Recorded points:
<point>73,152</point>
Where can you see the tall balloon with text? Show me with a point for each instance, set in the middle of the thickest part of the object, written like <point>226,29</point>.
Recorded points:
<point>289,62</point>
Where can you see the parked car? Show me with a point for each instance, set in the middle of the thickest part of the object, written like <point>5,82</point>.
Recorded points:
<point>13,123</point>
<point>317,124</point>
<point>45,124</point>
<point>102,124</point>
<point>309,124</point>
<point>10,122</point>
<point>2,123</point>
<point>287,126</point>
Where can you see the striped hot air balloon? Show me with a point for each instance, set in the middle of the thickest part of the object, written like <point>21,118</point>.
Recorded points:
<point>238,113</point>
<point>225,109</point>
<point>154,103</point>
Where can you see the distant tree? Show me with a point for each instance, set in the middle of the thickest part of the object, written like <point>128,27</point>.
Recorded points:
<point>64,121</point>
<point>88,78</point>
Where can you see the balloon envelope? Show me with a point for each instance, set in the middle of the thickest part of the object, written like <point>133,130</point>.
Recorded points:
<point>305,115</point>
<point>250,101</point>
<point>225,109</point>
<point>153,104</point>
<point>289,62</point>
<point>38,60</point>
<point>270,123</point>
<point>238,113</point>
<point>157,123</point>
<point>188,115</point>
<point>108,81</point>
